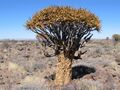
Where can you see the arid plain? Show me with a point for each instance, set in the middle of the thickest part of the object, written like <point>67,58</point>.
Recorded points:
<point>23,66</point>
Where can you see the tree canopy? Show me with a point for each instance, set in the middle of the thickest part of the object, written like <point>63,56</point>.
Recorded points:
<point>64,28</point>
<point>54,14</point>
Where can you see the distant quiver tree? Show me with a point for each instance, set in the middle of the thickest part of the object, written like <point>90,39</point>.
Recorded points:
<point>66,30</point>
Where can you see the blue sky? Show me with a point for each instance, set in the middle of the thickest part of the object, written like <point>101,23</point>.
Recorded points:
<point>14,13</point>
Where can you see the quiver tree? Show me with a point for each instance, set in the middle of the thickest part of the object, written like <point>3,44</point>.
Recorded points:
<point>66,30</point>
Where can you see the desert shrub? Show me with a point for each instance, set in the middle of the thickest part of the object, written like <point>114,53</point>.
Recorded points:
<point>116,38</point>
<point>107,38</point>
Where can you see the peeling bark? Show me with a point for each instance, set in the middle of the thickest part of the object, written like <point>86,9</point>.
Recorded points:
<point>64,70</point>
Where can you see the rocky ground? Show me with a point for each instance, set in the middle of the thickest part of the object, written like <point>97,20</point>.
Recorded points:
<point>24,67</point>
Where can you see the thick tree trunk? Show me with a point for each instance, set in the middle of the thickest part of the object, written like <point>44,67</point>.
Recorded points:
<point>64,70</point>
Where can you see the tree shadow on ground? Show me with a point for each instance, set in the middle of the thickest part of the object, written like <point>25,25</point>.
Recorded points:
<point>77,72</point>
<point>80,71</point>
